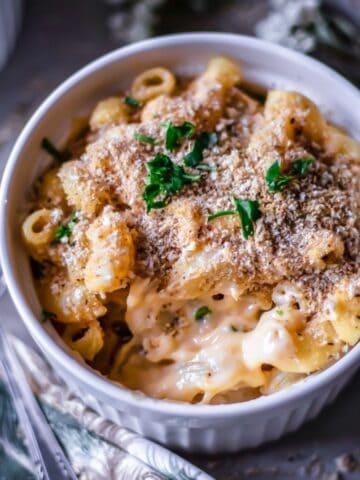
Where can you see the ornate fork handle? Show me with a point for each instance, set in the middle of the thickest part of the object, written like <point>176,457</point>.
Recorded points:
<point>45,452</point>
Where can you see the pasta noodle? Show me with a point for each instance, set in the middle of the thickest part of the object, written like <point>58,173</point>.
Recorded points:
<point>107,112</point>
<point>86,339</point>
<point>152,83</point>
<point>38,230</point>
<point>112,253</point>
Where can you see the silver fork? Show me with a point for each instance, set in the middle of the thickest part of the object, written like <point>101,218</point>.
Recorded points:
<point>44,450</point>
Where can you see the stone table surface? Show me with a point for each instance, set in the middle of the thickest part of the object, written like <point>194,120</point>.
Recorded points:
<point>60,36</point>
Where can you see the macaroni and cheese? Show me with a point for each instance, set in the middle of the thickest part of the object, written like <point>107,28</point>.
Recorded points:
<point>198,241</point>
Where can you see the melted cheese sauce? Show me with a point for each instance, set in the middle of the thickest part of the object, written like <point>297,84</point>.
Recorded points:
<point>174,356</point>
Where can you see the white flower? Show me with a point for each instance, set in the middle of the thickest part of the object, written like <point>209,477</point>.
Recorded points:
<point>291,23</point>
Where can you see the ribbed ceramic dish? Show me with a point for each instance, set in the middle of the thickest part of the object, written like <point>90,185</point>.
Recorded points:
<point>206,428</point>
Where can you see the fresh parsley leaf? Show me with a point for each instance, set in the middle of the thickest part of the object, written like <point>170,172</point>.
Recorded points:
<point>222,213</point>
<point>65,230</point>
<point>175,132</point>
<point>132,102</point>
<point>206,168</point>
<point>163,171</point>
<point>300,166</point>
<point>249,212</point>
<point>195,157</point>
<point>277,181</point>
<point>62,231</point>
<point>145,139</point>
<point>46,315</point>
<point>151,192</point>
<point>50,148</point>
<point>164,180</point>
<point>201,312</point>
<point>209,139</point>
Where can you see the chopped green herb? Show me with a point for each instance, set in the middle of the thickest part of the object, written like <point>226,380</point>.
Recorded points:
<point>165,179</point>
<point>145,139</point>
<point>175,132</point>
<point>201,312</point>
<point>233,328</point>
<point>280,312</point>
<point>300,166</point>
<point>195,157</point>
<point>153,191</point>
<point>45,316</point>
<point>222,213</point>
<point>65,230</point>
<point>209,139</point>
<point>62,231</point>
<point>206,168</point>
<point>132,102</point>
<point>277,180</point>
<point>50,148</point>
<point>248,211</point>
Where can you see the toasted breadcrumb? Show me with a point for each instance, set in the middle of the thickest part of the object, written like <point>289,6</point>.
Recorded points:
<point>324,203</point>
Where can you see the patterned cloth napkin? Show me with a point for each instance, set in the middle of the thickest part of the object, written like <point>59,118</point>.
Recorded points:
<point>97,448</point>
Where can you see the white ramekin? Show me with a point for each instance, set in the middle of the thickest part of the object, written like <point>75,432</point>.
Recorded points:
<point>206,428</point>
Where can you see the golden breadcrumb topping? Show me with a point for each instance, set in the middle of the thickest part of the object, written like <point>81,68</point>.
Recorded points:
<point>320,208</point>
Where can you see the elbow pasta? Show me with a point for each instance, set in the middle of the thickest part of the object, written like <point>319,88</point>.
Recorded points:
<point>200,245</point>
<point>325,249</point>
<point>38,230</point>
<point>109,111</point>
<point>69,302</point>
<point>51,193</point>
<point>294,111</point>
<point>337,142</point>
<point>223,71</point>
<point>85,339</point>
<point>152,83</point>
<point>81,188</point>
<point>111,253</point>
